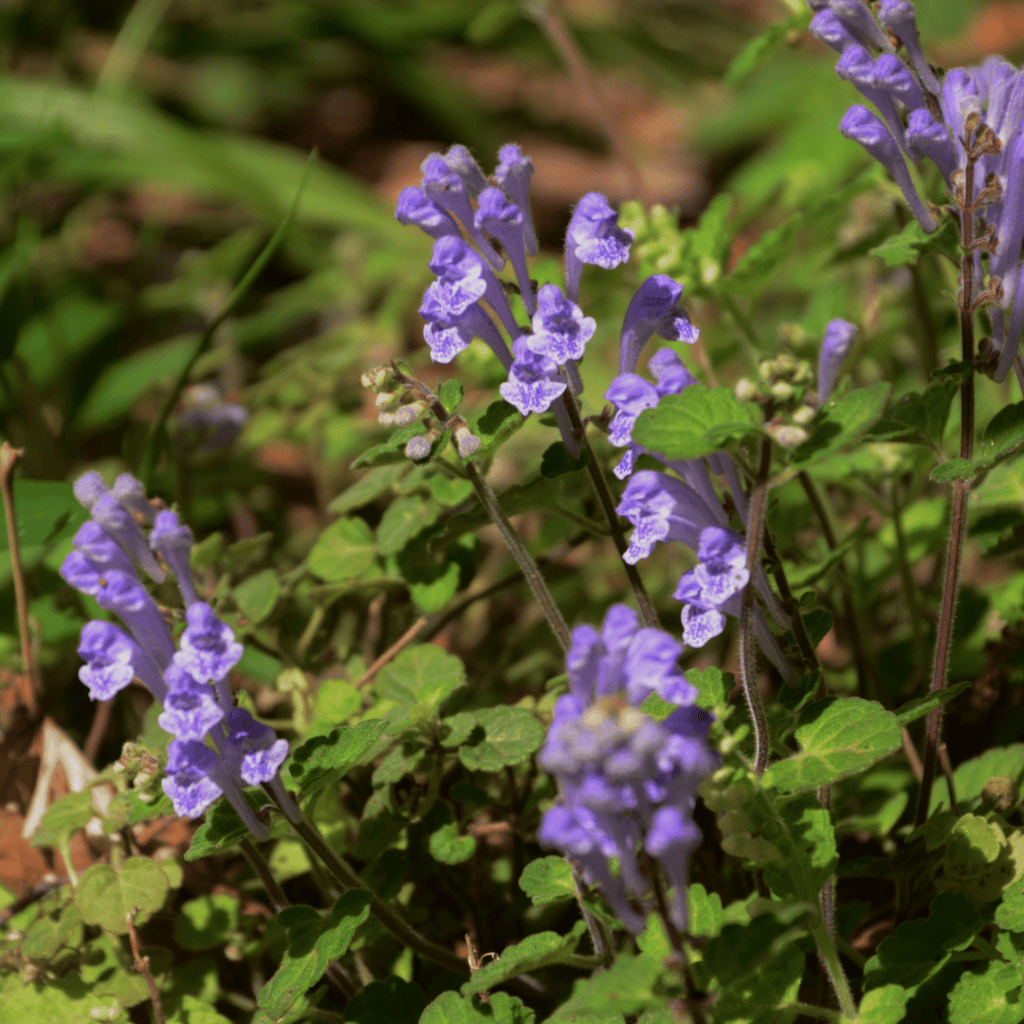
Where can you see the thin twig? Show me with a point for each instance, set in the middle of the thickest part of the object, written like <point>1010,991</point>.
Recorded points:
<point>490,502</point>
<point>348,879</point>
<point>604,496</point>
<point>827,904</point>
<point>260,866</point>
<point>399,645</point>
<point>142,966</point>
<point>758,503</point>
<point>790,603</point>
<point>589,93</point>
<point>910,753</point>
<point>98,729</point>
<point>961,488</point>
<point>26,683</point>
<point>598,934</point>
<point>849,607</point>
<point>947,771</point>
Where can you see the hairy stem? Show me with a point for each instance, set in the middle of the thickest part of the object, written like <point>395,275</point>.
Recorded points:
<point>849,607</point>
<point>142,966</point>
<point>830,959</point>
<point>790,603</point>
<point>604,496</point>
<point>909,587</point>
<point>28,683</point>
<point>348,879</point>
<point>758,503</point>
<point>490,502</point>
<point>262,869</point>
<point>961,492</point>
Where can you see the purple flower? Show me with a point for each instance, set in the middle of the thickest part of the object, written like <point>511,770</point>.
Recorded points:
<point>109,657</point>
<point>454,262</point>
<point>208,646</point>
<point>127,598</point>
<point>119,523</point>
<point>626,781</point>
<point>190,710</point>
<point>864,127</point>
<point>445,181</point>
<point>414,207</point>
<point>899,18</point>
<point>205,423</point>
<point>857,19</point>
<point>560,330</point>
<point>102,551</point>
<point>831,31</point>
<point>172,540</point>
<point>89,488</point>
<point>926,137</point>
<point>130,493</point>
<point>513,174</point>
<point>189,782</point>
<point>260,753</point>
<point>720,574</point>
<point>661,508</point>
<point>533,380</point>
<point>593,237</point>
<point>506,222</point>
<point>835,346</point>
<point>653,309</point>
<point>447,340</point>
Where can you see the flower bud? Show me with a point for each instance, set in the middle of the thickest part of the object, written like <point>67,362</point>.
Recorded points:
<point>419,447</point>
<point>781,391</point>
<point>788,436</point>
<point>408,414</point>
<point>386,399</point>
<point>803,415</point>
<point>746,390</point>
<point>374,377</point>
<point>466,443</point>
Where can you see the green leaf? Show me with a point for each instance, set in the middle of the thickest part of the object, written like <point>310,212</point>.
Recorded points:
<point>313,943</point>
<point>918,416</point>
<point>451,1008</point>
<point>839,424</point>
<point>710,684</point>
<point>547,879</point>
<point>65,1000</point>
<point>763,46</point>
<point>904,249</point>
<point>885,1005</point>
<point>764,257</point>
<point>627,987</point>
<point>921,706</point>
<point>706,916</point>
<point>494,426</point>
<point>402,520</point>
<point>838,737</point>
<point>1003,436</point>
<point>450,394</point>
<point>323,759</point>
<point>344,551</point>
<point>981,996</point>
<point>535,951</point>
<point>206,922</point>
<point>336,700</point>
<point>424,675</point>
<point>391,1001</point>
<point>64,816</point>
<point>104,896</point>
<point>511,736</point>
<point>556,462</point>
<point>448,847</point>
<point>1010,912</point>
<point>223,827</point>
<point>919,949</point>
<point>954,469</point>
<point>807,845</point>
<point>693,423</point>
<point>970,777</point>
<point>257,595</point>
<point>368,487</point>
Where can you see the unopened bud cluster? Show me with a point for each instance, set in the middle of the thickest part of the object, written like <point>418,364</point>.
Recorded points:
<point>783,385</point>
<point>402,400</point>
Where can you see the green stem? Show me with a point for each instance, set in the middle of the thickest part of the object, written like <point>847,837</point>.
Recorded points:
<point>490,502</point>
<point>157,433</point>
<point>262,869</point>
<point>909,587</point>
<point>830,958</point>
<point>607,502</point>
<point>961,488</point>
<point>758,503</point>
<point>348,879</point>
<point>790,603</point>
